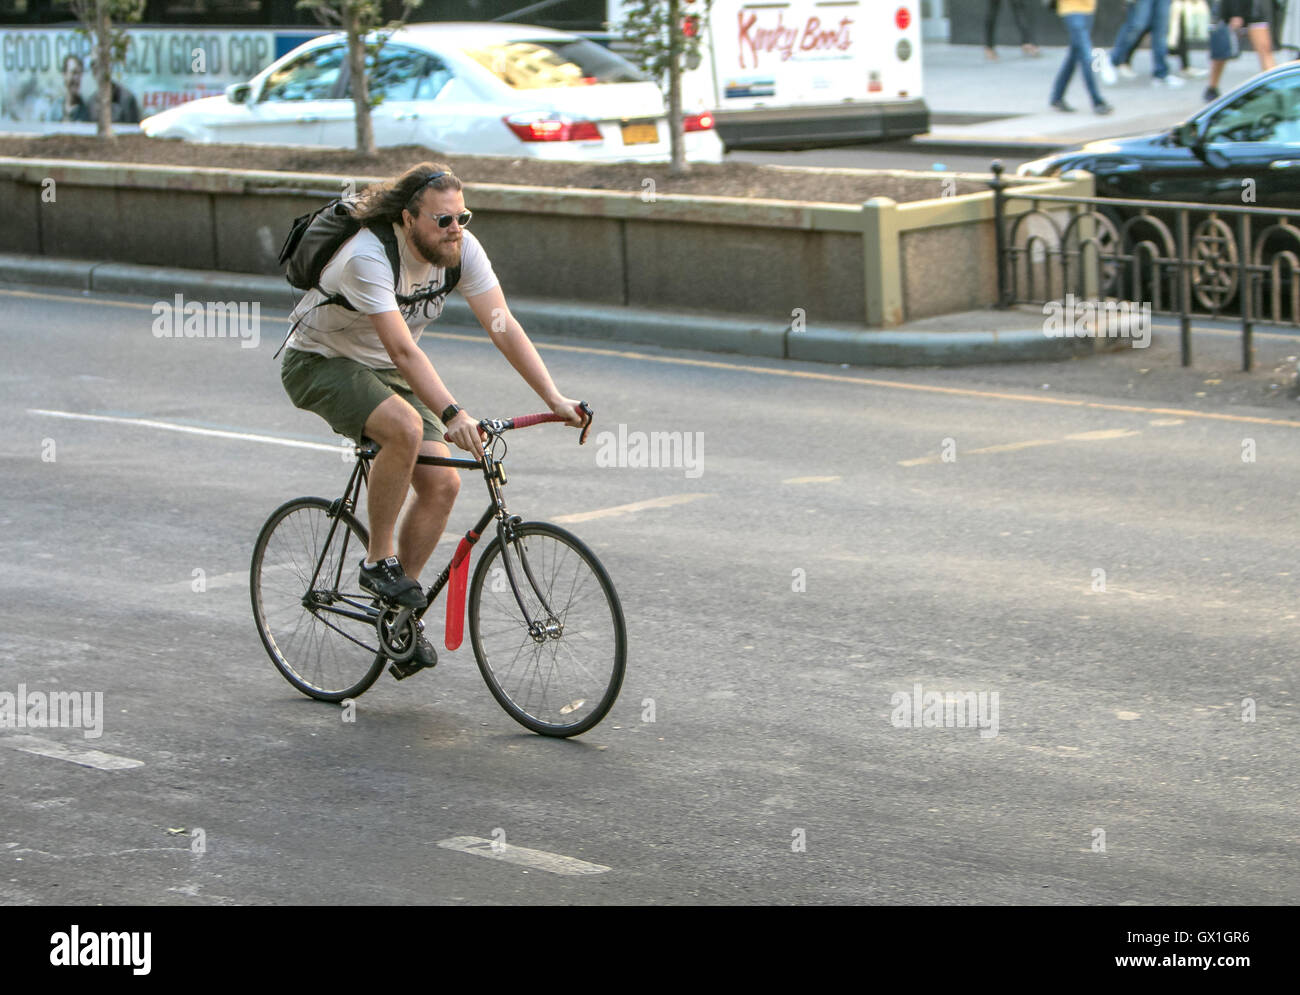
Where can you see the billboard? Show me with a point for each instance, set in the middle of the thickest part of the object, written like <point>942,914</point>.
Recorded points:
<point>46,75</point>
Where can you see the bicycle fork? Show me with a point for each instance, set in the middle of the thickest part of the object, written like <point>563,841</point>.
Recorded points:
<point>553,627</point>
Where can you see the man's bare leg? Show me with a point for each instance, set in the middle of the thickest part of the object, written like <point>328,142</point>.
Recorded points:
<point>425,520</point>
<point>399,430</point>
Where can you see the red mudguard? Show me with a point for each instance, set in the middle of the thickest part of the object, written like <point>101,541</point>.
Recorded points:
<point>456,585</point>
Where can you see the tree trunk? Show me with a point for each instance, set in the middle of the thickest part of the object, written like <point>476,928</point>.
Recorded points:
<point>360,84</point>
<point>103,71</point>
<point>678,166</point>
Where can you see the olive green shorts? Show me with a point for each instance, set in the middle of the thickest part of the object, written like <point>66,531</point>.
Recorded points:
<point>345,393</point>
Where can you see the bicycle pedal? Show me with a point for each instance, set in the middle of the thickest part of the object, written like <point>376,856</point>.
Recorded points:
<point>401,671</point>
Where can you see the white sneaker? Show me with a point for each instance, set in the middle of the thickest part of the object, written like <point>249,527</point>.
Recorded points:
<point>1193,72</point>
<point>1172,82</point>
<point>1126,71</point>
<point>1104,68</point>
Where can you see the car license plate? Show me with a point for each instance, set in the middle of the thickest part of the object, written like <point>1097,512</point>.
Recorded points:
<point>640,134</point>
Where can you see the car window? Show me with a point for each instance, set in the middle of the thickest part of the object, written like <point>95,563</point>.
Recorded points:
<point>311,77</point>
<point>1268,113</point>
<point>405,74</point>
<point>551,62</point>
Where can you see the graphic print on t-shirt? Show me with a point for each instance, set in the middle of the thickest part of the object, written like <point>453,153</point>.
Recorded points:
<point>425,310</point>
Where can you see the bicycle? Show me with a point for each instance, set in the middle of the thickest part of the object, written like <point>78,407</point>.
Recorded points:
<point>545,622</point>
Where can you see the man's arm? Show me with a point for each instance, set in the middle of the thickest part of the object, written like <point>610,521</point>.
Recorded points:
<point>495,317</point>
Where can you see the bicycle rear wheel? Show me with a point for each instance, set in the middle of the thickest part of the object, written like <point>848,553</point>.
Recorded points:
<point>316,622</point>
<point>555,672</point>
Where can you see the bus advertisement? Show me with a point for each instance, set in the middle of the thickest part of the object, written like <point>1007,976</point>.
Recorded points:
<point>789,73</point>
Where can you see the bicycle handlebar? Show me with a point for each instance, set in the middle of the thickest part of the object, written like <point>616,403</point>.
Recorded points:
<point>496,426</point>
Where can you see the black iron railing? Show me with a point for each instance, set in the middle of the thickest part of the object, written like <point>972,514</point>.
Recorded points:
<point>1191,261</point>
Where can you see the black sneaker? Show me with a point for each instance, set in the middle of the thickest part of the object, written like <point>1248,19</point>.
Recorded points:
<point>1211,93</point>
<point>1061,105</point>
<point>388,582</point>
<point>425,656</point>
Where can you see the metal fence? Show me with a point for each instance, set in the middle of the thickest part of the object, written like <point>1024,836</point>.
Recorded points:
<point>1190,261</point>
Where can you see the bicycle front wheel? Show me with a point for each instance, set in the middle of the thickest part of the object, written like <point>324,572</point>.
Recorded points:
<point>315,621</point>
<point>557,667</point>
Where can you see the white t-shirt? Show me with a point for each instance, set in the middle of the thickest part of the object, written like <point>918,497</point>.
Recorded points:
<point>361,272</point>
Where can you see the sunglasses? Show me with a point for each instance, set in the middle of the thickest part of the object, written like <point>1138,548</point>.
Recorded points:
<point>444,220</point>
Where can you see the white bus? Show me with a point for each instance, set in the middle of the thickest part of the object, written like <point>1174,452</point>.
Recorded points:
<point>791,73</point>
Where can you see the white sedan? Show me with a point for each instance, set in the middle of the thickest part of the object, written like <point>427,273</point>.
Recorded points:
<point>468,89</point>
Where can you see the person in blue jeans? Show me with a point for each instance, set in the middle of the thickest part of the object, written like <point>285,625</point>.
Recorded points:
<point>1146,15</point>
<point>1077,15</point>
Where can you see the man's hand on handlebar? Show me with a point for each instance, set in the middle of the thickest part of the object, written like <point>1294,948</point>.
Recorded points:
<point>568,409</point>
<point>465,433</point>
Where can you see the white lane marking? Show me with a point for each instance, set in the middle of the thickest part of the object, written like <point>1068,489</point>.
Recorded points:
<point>1008,447</point>
<point>540,860</point>
<point>1102,434</point>
<point>191,429</point>
<point>86,758</point>
<point>627,509</point>
<point>809,480</point>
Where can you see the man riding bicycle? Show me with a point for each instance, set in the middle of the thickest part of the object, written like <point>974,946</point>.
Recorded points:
<point>362,371</point>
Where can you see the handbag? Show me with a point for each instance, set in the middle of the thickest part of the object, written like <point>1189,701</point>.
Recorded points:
<point>1224,43</point>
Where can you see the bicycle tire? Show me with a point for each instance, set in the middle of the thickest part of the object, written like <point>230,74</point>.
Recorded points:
<point>564,685</point>
<point>323,654</point>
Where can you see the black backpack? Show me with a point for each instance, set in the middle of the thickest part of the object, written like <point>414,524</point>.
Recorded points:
<point>313,240</point>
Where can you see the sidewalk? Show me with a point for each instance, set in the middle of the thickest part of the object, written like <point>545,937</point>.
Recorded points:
<point>979,102</point>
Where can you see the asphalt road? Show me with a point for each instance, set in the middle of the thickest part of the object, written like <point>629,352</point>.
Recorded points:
<point>1098,555</point>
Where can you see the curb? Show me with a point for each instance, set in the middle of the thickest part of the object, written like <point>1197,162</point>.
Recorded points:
<point>992,147</point>
<point>670,330</point>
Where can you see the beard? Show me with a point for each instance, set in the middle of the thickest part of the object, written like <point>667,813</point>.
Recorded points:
<point>442,251</point>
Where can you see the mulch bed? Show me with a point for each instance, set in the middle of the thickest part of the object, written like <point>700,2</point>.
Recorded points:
<point>728,179</point>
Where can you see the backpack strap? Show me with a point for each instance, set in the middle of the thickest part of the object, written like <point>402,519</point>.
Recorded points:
<point>384,232</point>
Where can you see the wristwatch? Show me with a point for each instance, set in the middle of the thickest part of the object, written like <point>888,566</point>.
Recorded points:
<point>449,412</point>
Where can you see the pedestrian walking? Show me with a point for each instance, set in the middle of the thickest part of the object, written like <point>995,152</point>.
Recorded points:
<point>1022,12</point>
<point>1234,16</point>
<point>1077,17</point>
<point>1188,21</point>
<point>1143,16</point>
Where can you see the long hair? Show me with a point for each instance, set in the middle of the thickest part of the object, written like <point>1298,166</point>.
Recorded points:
<point>386,201</point>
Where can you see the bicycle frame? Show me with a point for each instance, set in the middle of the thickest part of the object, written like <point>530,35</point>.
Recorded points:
<point>495,477</point>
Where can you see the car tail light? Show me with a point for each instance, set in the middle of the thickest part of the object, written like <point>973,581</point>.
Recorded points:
<point>698,122</point>
<point>552,128</point>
